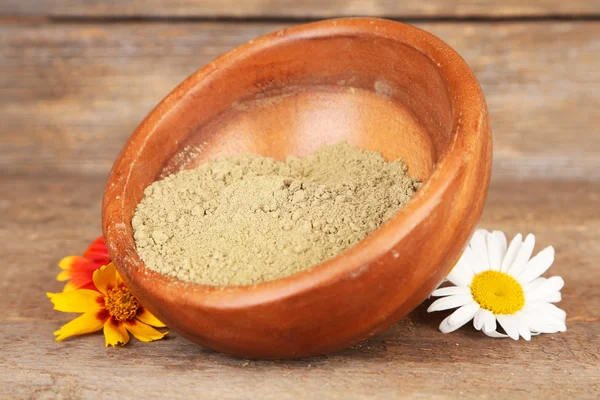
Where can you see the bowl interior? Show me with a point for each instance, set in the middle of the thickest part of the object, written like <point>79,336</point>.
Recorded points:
<point>293,95</point>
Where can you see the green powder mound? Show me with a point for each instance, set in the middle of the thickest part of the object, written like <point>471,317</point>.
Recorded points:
<point>249,219</point>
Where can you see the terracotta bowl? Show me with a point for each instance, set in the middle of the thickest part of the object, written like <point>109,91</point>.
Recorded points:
<point>378,85</point>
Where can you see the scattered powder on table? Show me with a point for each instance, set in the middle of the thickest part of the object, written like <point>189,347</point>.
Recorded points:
<point>249,219</point>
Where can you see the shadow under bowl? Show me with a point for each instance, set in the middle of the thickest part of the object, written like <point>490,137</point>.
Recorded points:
<point>377,84</point>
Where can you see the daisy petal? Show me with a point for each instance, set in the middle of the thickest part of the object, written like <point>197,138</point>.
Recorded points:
<point>511,253</point>
<point>494,248</point>
<point>547,310</point>
<point>522,256</point>
<point>470,261</point>
<point>551,284</point>
<point>549,325</point>
<point>460,275</point>
<point>445,326</point>
<point>479,319</point>
<point>534,285</point>
<point>446,303</point>
<point>536,266</point>
<point>450,290</point>
<point>85,323</point>
<point>479,246</point>
<point>545,290</point>
<point>105,278</point>
<point>552,297</point>
<point>502,240</point>
<point>494,334</point>
<point>522,327</point>
<point>542,323</point>
<point>459,317</point>
<point>489,323</point>
<point>510,325</point>
<point>464,314</point>
<point>149,318</point>
<point>115,333</point>
<point>143,332</point>
<point>77,301</point>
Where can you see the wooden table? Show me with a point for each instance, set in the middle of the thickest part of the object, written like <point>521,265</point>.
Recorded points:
<point>78,76</point>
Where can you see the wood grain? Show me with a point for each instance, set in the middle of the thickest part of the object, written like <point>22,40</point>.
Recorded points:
<point>299,9</point>
<point>45,218</point>
<point>72,94</point>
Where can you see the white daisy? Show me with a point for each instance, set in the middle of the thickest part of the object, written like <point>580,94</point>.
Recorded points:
<point>496,282</point>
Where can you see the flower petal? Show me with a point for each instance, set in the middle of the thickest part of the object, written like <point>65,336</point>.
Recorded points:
<point>105,278</point>
<point>67,262</point>
<point>542,323</point>
<point>489,324</point>
<point>450,290</point>
<point>522,256</point>
<point>511,253</point>
<point>469,260</point>
<point>461,275</point>
<point>63,276</point>
<point>479,246</point>
<point>143,332</point>
<point>97,252</point>
<point>543,308</point>
<point>458,318</point>
<point>541,286</point>
<point>522,327</point>
<point>115,333</point>
<point>76,301</point>
<point>502,240</point>
<point>147,317</point>
<point>552,297</point>
<point>480,318</point>
<point>533,285</point>
<point>80,270</point>
<point>464,314</point>
<point>536,266</point>
<point>69,287</point>
<point>494,334</point>
<point>446,303</point>
<point>86,323</point>
<point>510,324</point>
<point>494,247</point>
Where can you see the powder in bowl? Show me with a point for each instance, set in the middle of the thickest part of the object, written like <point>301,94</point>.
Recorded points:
<point>250,219</point>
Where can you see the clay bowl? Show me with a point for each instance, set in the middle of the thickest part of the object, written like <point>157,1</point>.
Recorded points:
<point>378,85</point>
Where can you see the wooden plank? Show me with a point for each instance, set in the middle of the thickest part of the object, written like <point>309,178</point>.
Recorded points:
<point>47,217</point>
<point>298,9</point>
<point>71,94</point>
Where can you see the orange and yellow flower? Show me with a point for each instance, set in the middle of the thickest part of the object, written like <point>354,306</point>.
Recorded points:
<point>110,306</point>
<point>78,270</point>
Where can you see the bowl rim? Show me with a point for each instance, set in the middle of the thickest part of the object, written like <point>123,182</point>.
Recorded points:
<point>467,104</point>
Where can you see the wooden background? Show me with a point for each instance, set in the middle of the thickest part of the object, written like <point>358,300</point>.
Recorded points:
<point>76,77</point>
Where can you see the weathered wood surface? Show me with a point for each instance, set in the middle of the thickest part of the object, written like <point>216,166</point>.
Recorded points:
<point>45,217</point>
<point>71,94</point>
<point>299,9</point>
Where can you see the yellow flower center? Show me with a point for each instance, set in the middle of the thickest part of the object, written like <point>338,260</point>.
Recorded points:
<point>121,304</point>
<point>497,292</point>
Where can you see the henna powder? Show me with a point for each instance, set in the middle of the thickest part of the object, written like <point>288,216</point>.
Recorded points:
<point>249,219</point>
